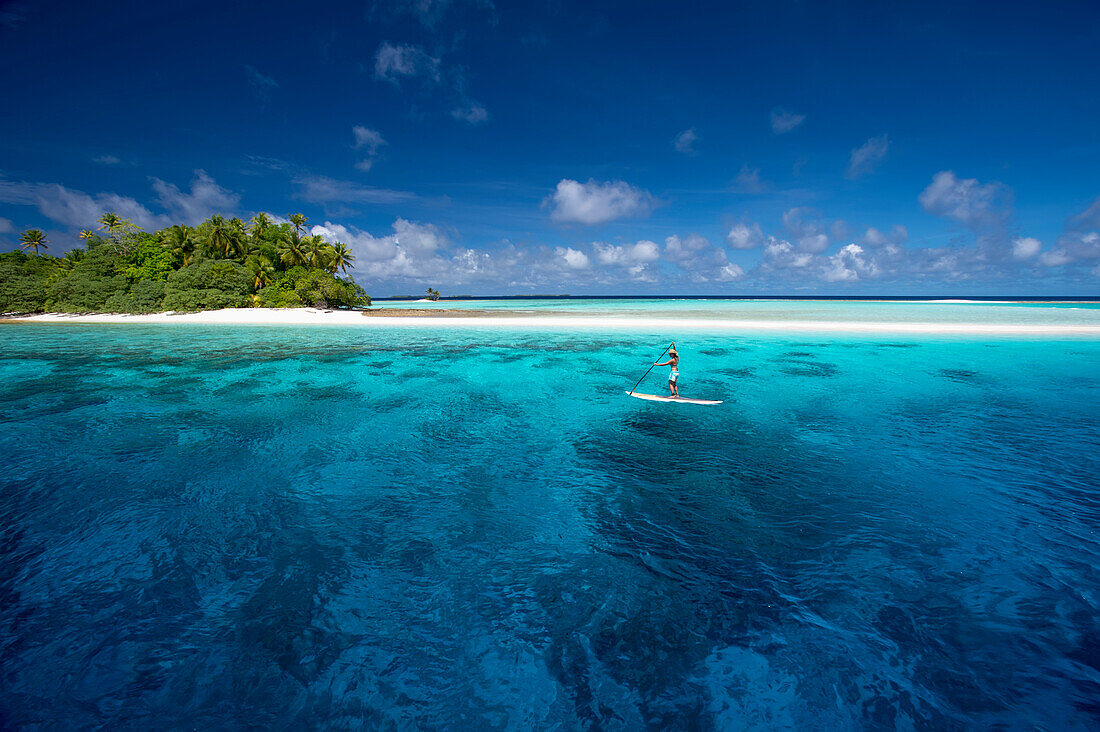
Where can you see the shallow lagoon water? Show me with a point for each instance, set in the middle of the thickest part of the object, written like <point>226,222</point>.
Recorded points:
<point>476,528</point>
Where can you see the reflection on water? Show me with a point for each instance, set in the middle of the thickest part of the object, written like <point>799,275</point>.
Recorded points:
<point>418,528</point>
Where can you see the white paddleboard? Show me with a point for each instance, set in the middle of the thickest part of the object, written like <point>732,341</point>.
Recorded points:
<point>681,400</point>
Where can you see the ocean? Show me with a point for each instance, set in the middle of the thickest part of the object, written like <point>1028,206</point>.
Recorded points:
<point>474,527</point>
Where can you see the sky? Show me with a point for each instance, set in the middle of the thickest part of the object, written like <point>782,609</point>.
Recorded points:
<point>553,147</point>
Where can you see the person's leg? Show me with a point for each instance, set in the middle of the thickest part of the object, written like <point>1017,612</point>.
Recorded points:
<point>671,387</point>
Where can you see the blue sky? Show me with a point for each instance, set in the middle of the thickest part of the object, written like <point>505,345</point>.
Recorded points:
<point>552,147</point>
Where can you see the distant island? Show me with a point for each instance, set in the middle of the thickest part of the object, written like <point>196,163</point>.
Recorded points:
<point>221,263</point>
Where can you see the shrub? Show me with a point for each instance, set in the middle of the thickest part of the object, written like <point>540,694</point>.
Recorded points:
<point>207,285</point>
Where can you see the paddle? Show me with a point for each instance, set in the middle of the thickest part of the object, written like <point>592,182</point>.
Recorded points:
<point>670,345</point>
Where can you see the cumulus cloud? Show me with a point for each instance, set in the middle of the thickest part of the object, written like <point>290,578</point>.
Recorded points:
<point>471,113</point>
<point>414,251</point>
<point>393,61</point>
<point>684,249</point>
<point>730,272</point>
<point>1025,247</point>
<point>867,156</point>
<point>967,201</point>
<point>573,258</point>
<point>784,121</point>
<point>627,254</point>
<point>6,226</point>
<point>875,238</point>
<point>206,197</point>
<point>807,228</point>
<point>748,180</point>
<point>745,236</point>
<point>849,264</point>
<point>781,254</point>
<point>597,203</point>
<point>685,142</point>
<point>633,258</point>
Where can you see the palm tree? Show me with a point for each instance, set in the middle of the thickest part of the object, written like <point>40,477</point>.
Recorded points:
<point>180,241</point>
<point>259,225</point>
<point>293,253</point>
<point>315,249</point>
<point>33,238</point>
<point>263,271</point>
<point>238,237</point>
<point>86,234</point>
<point>110,221</point>
<point>433,295</point>
<point>342,258</point>
<point>218,235</point>
<point>299,223</point>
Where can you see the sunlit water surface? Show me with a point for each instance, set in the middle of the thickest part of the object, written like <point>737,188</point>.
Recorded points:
<point>476,528</point>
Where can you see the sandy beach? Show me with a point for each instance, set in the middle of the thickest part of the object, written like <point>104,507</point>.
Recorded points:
<point>423,317</point>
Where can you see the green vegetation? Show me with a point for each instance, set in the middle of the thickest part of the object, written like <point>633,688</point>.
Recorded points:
<point>433,295</point>
<point>218,264</point>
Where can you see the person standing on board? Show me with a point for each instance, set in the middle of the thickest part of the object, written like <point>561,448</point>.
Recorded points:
<point>674,362</point>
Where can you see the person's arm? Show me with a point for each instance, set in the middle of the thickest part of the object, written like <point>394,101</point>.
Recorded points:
<point>666,363</point>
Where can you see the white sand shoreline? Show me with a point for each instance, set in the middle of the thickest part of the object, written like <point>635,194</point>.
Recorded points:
<point>310,316</point>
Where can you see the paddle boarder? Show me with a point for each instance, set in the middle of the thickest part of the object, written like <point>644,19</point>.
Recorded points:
<point>674,374</point>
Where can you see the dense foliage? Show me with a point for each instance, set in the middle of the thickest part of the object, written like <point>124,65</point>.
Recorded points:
<point>218,264</point>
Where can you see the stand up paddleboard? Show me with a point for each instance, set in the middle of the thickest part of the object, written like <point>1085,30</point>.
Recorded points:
<point>681,400</point>
<point>655,398</point>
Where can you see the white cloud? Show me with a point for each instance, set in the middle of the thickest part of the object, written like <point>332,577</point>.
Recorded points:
<point>807,229</point>
<point>107,160</point>
<point>370,141</point>
<point>784,121</point>
<point>685,142</point>
<point>262,85</point>
<point>1087,219</point>
<point>205,198</point>
<point>6,226</point>
<point>76,208</point>
<point>748,180</point>
<point>471,113</point>
<point>684,249</point>
<point>744,236</point>
<point>598,203</point>
<point>781,254</point>
<point>634,259</point>
<point>1055,258</point>
<point>849,264</point>
<point>967,201</point>
<point>574,258</point>
<point>367,139</point>
<point>413,251</point>
<point>392,61</point>
<point>322,189</point>
<point>643,251</point>
<point>1025,247</point>
<point>729,272</point>
<point>867,156</point>
<point>875,238</point>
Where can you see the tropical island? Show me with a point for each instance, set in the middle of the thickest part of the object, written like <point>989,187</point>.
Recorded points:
<point>220,263</point>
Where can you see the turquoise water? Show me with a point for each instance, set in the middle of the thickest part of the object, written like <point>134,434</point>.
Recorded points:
<point>475,528</point>
<point>851,311</point>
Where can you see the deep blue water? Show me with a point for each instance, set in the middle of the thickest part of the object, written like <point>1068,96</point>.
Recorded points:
<point>420,528</point>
